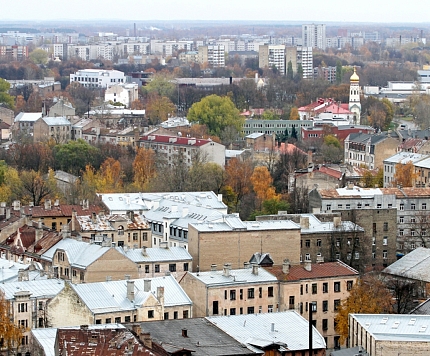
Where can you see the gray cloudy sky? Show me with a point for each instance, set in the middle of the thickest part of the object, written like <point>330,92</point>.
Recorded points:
<point>381,11</point>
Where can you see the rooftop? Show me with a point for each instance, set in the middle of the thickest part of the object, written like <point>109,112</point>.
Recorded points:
<point>156,254</point>
<point>45,288</point>
<point>414,265</point>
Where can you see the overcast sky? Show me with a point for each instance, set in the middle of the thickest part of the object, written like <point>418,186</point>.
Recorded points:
<point>380,11</point>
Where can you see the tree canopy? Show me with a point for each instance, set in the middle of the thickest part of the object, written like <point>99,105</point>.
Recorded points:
<point>5,98</point>
<point>216,113</point>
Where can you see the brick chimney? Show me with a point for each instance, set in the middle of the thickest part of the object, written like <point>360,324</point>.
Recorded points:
<point>146,285</point>
<point>226,270</point>
<point>286,266</point>
<point>304,222</point>
<point>39,230</point>
<point>130,290</point>
<point>255,269</point>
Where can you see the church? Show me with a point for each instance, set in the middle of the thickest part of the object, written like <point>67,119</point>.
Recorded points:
<point>330,112</point>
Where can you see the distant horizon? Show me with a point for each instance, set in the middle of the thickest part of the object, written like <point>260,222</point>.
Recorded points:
<point>382,12</point>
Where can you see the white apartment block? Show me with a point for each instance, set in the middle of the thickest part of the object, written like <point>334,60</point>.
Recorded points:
<point>305,58</point>
<point>97,78</point>
<point>272,56</point>
<point>314,36</point>
<point>212,54</point>
<point>122,93</point>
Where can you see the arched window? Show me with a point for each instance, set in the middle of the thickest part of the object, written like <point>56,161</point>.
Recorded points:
<point>120,230</point>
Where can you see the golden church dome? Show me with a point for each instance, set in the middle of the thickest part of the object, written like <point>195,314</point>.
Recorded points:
<point>354,77</point>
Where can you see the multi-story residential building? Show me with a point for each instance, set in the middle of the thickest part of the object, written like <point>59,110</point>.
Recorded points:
<point>175,149</point>
<point>272,56</point>
<point>314,35</point>
<point>82,262</point>
<point>137,300</point>
<point>214,55</point>
<point>319,288</point>
<point>390,334</point>
<point>277,127</point>
<point>97,78</point>
<point>422,172</point>
<point>56,128</point>
<point>189,57</point>
<point>23,125</point>
<point>326,73</point>
<point>13,52</point>
<point>363,150</point>
<point>125,230</point>
<point>230,292</point>
<point>122,93</point>
<point>28,301</point>
<point>373,209</point>
<point>234,241</point>
<point>62,108</point>
<point>402,158</point>
<point>317,133</point>
<point>156,262</point>
<point>305,59</point>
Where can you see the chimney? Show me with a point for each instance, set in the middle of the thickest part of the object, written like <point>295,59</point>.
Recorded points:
<point>146,285</point>
<point>160,295</point>
<point>286,266</point>
<point>310,157</point>
<point>23,275</point>
<point>146,339</point>
<point>308,266</point>
<point>350,186</point>
<point>47,204</point>
<point>16,205</point>
<point>65,231</point>
<point>130,215</point>
<point>220,197</point>
<point>144,251</point>
<point>7,213</point>
<point>94,218</point>
<point>320,259</point>
<point>337,221</point>
<point>108,278</point>
<point>184,332</point>
<point>184,212</point>
<point>213,267</point>
<point>272,327</point>
<point>2,208</point>
<point>304,222</point>
<point>39,231</point>
<point>74,215</point>
<point>137,329</point>
<point>130,290</point>
<point>57,202</point>
<point>226,270</point>
<point>255,269</point>
<point>246,265</point>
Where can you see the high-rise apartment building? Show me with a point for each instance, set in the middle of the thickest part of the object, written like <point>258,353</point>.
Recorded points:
<point>212,54</point>
<point>300,56</point>
<point>272,56</point>
<point>314,36</point>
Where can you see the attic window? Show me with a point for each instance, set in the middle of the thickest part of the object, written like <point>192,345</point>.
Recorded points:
<point>396,325</point>
<point>423,328</point>
<point>384,320</point>
<point>412,321</point>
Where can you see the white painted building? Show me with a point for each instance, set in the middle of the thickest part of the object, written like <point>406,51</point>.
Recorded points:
<point>314,35</point>
<point>97,78</point>
<point>122,93</point>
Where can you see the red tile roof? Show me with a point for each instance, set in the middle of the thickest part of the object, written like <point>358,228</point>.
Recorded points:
<point>331,172</point>
<point>62,210</point>
<point>318,270</point>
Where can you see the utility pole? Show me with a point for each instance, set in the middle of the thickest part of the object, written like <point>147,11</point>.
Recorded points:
<point>310,329</point>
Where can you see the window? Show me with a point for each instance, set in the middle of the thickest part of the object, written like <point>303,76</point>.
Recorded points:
<point>127,319</point>
<point>378,206</point>
<point>385,226</point>
<point>325,305</point>
<point>108,321</point>
<point>22,307</point>
<point>150,314</point>
<point>185,314</point>
<point>98,321</point>
<point>314,288</point>
<point>145,236</point>
<point>357,255</point>
<point>325,287</point>
<point>270,308</point>
<point>401,219</point>
<point>328,207</point>
<point>308,243</point>
<point>412,206</point>
<point>186,266</point>
<point>338,242</point>
<point>156,268</point>
<point>423,232</point>
<point>337,286</point>
<point>135,236</point>
<point>146,268</point>
<point>250,310</point>
<point>336,304</point>
<point>215,307</point>
<point>373,241</point>
<point>401,232</point>
<point>118,320</point>
<point>318,243</point>
<point>349,285</point>
<point>385,254</point>
<point>307,257</point>
<point>250,293</point>
<point>301,289</point>
<point>240,294</point>
<point>374,228</point>
<point>325,324</point>
<point>385,240</point>
<point>348,206</point>
<point>359,205</point>
<point>260,292</point>
<point>424,206</point>
<point>291,301</point>
<point>402,206</point>
<point>166,316</point>
<point>232,311</point>
<point>412,232</point>
<point>233,294</point>
<point>313,306</point>
<point>412,220</point>
<point>270,291</point>
<point>339,206</point>
<point>172,267</point>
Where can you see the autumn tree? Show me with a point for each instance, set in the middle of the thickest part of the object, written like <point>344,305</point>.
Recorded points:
<point>368,296</point>
<point>206,177</point>
<point>216,113</point>
<point>10,333</point>
<point>332,149</point>
<point>5,98</point>
<point>144,167</point>
<point>287,163</point>
<point>110,176</point>
<point>161,84</point>
<point>294,114</point>
<point>159,108</point>
<point>238,179</point>
<point>38,56</point>
<point>371,179</point>
<point>404,174</point>
<point>262,183</point>
<point>35,187</point>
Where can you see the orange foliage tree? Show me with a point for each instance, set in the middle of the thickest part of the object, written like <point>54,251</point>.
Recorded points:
<point>368,296</point>
<point>10,333</point>
<point>262,183</point>
<point>144,167</point>
<point>110,176</point>
<point>238,179</point>
<point>405,174</point>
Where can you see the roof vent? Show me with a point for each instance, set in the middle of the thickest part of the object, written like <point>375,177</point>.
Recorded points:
<point>384,320</point>
<point>412,321</point>
<point>423,328</point>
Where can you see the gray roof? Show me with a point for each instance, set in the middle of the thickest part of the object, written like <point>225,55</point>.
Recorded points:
<point>424,163</point>
<point>9,269</point>
<point>47,288</point>
<point>154,254</point>
<point>56,121</point>
<point>396,327</point>
<point>233,222</point>
<point>352,351</point>
<point>422,309</point>
<point>414,265</point>
<point>28,116</point>
<point>363,137</point>
<point>236,276</point>
<point>317,226</point>
<point>203,337</point>
<point>104,297</point>
<point>80,254</point>
<point>256,330</point>
<point>405,157</point>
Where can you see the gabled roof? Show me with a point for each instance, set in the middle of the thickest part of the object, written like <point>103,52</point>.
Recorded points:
<point>80,254</point>
<point>61,210</point>
<point>331,172</point>
<point>255,330</point>
<point>318,270</point>
<point>56,121</point>
<point>45,288</point>
<point>155,254</point>
<point>28,116</point>
<point>415,265</point>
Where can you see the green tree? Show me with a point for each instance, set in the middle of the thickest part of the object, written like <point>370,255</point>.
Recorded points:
<point>38,56</point>
<point>161,84</point>
<point>294,133</point>
<point>159,108</point>
<point>290,73</point>
<point>74,156</point>
<point>5,98</point>
<point>216,113</point>
<point>269,115</point>
<point>338,72</point>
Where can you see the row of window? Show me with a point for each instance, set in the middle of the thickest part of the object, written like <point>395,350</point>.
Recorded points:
<point>150,314</point>
<point>304,288</point>
<point>314,306</point>
<point>250,293</point>
<point>172,267</point>
<point>232,311</point>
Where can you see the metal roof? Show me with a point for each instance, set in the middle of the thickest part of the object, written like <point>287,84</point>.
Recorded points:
<point>396,327</point>
<point>405,157</point>
<point>103,297</point>
<point>236,276</point>
<point>9,269</point>
<point>28,116</point>
<point>79,253</point>
<point>414,265</point>
<point>256,330</point>
<point>232,222</point>
<point>46,288</point>
<point>149,255</point>
<point>316,225</point>
<point>56,121</point>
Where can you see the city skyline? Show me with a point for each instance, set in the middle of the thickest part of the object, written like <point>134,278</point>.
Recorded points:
<point>386,11</point>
